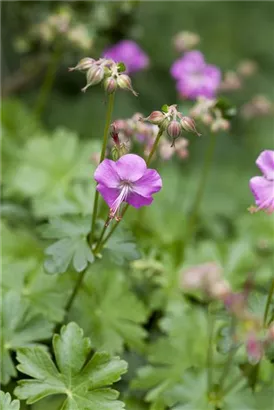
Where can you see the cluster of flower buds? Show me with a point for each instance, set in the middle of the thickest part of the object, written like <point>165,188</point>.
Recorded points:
<point>185,40</point>
<point>119,148</point>
<point>207,278</point>
<point>60,23</point>
<point>135,130</point>
<point>106,71</point>
<point>132,129</point>
<point>259,106</point>
<point>205,110</point>
<point>171,121</point>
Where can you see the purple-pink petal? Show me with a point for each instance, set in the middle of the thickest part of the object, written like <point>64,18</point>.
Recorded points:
<point>149,184</point>
<point>263,191</point>
<point>137,200</point>
<point>194,77</point>
<point>130,167</point>
<point>109,194</point>
<point>129,53</point>
<point>265,162</point>
<point>106,174</point>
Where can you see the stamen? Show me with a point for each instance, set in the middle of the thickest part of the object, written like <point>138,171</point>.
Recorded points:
<point>114,210</point>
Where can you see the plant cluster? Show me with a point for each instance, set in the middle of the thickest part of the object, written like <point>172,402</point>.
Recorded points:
<point>168,306</point>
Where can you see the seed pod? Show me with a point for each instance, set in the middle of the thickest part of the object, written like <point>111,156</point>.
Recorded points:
<point>83,64</point>
<point>110,85</point>
<point>124,82</point>
<point>174,129</point>
<point>156,117</point>
<point>188,125</point>
<point>94,76</point>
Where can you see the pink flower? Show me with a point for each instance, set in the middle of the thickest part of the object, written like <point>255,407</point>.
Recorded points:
<point>254,348</point>
<point>129,53</point>
<point>194,77</point>
<point>126,180</point>
<point>263,187</point>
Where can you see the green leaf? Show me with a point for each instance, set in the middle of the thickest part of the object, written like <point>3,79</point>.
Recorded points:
<point>84,381</point>
<point>164,108</point>
<point>117,314</point>
<point>121,247</point>
<point>20,245</point>
<point>20,327</point>
<point>45,294</point>
<point>72,246</point>
<point>49,170</point>
<point>184,346</point>
<point>182,395</point>
<point>121,67</point>
<point>6,403</point>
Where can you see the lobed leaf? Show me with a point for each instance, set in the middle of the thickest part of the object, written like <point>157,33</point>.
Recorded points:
<point>84,381</point>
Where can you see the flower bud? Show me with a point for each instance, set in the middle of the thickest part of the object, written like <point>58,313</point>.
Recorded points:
<point>188,125</point>
<point>185,40</point>
<point>94,76</point>
<point>118,151</point>
<point>220,124</point>
<point>174,129</point>
<point>124,82</point>
<point>270,333</point>
<point>156,117</point>
<point>83,64</point>
<point>110,85</point>
<point>123,149</point>
<point>247,68</point>
<point>254,348</point>
<point>220,290</point>
<point>115,153</point>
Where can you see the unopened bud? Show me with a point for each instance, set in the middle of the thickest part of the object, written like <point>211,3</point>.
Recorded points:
<point>115,153</point>
<point>156,117</point>
<point>254,348</point>
<point>110,85</point>
<point>185,40</point>
<point>83,65</point>
<point>270,333</point>
<point>94,76</point>
<point>247,68</point>
<point>220,290</point>
<point>188,125</point>
<point>220,124</point>
<point>123,149</point>
<point>124,82</point>
<point>174,129</point>
<point>118,151</point>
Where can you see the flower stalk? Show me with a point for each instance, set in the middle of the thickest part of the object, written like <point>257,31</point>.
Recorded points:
<point>268,303</point>
<point>102,157</point>
<point>48,82</point>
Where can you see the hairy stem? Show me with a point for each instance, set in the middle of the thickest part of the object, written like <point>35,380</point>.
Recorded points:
<point>202,184</point>
<point>268,303</point>
<point>110,106</point>
<point>154,147</point>
<point>210,350</point>
<point>48,82</point>
<point>102,241</point>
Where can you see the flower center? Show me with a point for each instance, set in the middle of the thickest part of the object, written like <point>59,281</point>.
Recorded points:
<point>125,189</point>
